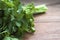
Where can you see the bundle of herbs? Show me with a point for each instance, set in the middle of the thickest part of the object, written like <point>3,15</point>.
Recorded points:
<point>17,19</point>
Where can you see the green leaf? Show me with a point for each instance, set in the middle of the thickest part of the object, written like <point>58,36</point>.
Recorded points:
<point>7,38</point>
<point>10,38</point>
<point>12,18</point>
<point>9,3</point>
<point>20,9</point>
<point>29,9</point>
<point>15,39</point>
<point>32,29</point>
<point>18,24</point>
<point>3,32</point>
<point>40,9</point>
<point>19,12</point>
<point>16,2</point>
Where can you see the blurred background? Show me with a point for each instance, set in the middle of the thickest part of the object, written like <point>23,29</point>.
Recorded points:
<point>38,2</point>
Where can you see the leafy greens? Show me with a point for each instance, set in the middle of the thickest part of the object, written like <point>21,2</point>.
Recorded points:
<point>17,19</point>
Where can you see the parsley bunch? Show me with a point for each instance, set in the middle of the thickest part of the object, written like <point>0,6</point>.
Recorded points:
<point>16,19</point>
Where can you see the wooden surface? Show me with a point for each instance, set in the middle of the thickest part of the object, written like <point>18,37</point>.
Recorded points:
<point>47,25</point>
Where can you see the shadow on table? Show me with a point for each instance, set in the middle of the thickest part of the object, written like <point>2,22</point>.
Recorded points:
<point>38,14</point>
